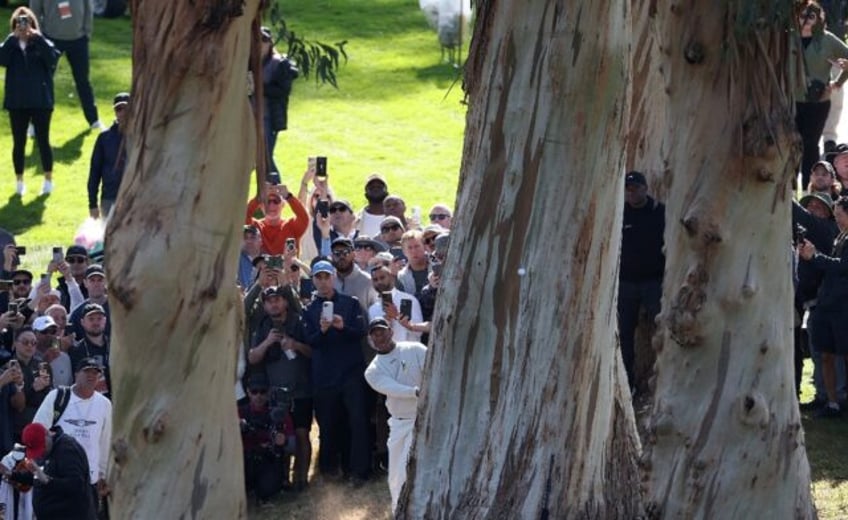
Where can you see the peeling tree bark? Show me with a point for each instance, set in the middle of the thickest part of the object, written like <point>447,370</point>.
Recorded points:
<point>521,415</point>
<point>171,256</point>
<point>725,437</point>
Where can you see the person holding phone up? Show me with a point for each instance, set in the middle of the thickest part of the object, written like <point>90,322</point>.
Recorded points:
<point>30,60</point>
<point>275,229</point>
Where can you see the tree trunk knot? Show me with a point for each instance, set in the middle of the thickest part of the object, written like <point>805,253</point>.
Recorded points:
<point>153,433</point>
<point>753,410</point>
<point>694,53</point>
<point>682,316</point>
<point>120,450</point>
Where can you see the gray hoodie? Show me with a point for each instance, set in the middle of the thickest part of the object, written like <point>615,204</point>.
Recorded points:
<point>64,20</point>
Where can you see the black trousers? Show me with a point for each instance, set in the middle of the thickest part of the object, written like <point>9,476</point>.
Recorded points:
<point>633,297</point>
<point>342,417</point>
<point>264,473</point>
<point>810,119</point>
<point>20,119</point>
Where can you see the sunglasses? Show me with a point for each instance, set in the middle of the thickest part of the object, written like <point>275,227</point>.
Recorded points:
<point>75,259</point>
<point>21,281</point>
<point>361,247</point>
<point>393,227</point>
<point>258,392</point>
<point>29,342</point>
<point>341,252</point>
<point>275,201</point>
<point>429,241</point>
<point>338,209</point>
<point>439,216</point>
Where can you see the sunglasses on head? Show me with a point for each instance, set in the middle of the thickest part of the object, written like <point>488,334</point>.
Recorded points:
<point>439,216</point>
<point>393,227</point>
<point>21,281</point>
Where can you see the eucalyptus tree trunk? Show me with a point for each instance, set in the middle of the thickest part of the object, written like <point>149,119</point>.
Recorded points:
<point>525,412</point>
<point>171,262</point>
<point>725,437</point>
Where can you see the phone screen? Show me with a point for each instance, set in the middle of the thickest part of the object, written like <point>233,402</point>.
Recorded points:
<point>321,167</point>
<point>323,207</point>
<point>57,255</point>
<point>406,307</point>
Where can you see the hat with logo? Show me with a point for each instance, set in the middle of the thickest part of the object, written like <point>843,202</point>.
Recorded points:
<point>323,266</point>
<point>34,437</point>
<point>43,323</point>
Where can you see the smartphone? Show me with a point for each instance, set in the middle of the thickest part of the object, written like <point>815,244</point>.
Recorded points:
<point>306,288</point>
<point>58,257</point>
<point>291,244</point>
<point>20,250</point>
<point>406,307</point>
<point>44,369</point>
<point>275,262</point>
<point>14,307</point>
<point>323,207</point>
<point>327,311</point>
<point>387,298</point>
<point>13,363</point>
<point>321,167</point>
<point>436,268</point>
<point>45,277</point>
<point>23,21</point>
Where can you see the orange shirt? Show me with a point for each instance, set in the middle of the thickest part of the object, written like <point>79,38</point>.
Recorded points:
<point>274,235</point>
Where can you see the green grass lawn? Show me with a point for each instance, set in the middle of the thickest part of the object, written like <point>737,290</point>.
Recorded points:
<point>398,111</point>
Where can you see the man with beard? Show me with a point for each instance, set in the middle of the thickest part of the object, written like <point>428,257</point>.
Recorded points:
<point>73,274</point>
<point>338,384</point>
<point>376,191</point>
<point>95,284</point>
<point>279,355</point>
<point>350,279</point>
<point>396,372</point>
<point>108,161</point>
<point>389,308</point>
<point>94,344</point>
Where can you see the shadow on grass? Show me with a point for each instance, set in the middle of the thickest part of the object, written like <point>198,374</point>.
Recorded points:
<point>71,150</point>
<point>17,217</point>
<point>443,75</point>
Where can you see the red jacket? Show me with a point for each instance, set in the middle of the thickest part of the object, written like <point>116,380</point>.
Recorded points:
<point>274,235</point>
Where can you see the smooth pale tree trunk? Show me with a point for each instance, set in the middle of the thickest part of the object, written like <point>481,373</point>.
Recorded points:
<point>725,437</point>
<point>524,412</point>
<point>171,263</point>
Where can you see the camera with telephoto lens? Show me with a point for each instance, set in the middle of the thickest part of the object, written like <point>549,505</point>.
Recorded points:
<point>23,21</point>
<point>280,400</point>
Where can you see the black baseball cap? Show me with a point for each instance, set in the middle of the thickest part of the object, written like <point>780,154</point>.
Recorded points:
<point>378,323</point>
<point>635,177</point>
<point>122,98</point>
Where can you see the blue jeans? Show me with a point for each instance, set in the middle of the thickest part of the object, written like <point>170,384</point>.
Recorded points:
<point>77,53</point>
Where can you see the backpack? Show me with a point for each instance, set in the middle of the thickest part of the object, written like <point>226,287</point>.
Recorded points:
<point>63,397</point>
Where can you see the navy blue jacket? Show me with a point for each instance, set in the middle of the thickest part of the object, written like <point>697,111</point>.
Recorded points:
<point>642,256</point>
<point>833,291</point>
<point>821,232</point>
<point>29,75</point>
<point>278,74</point>
<point>336,354</point>
<point>108,161</point>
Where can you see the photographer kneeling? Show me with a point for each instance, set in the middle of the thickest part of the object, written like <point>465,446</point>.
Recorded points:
<point>264,434</point>
<point>830,320</point>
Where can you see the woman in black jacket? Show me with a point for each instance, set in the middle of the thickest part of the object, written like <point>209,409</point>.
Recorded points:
<point>278,74</point>
<point>30,60</point>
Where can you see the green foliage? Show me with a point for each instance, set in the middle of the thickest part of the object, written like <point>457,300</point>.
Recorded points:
<point>312,57</point>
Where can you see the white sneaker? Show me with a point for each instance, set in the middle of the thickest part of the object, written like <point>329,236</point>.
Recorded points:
<point>97,125</point>
<point>46,188</point>
<point>20,189</point>
<point>30,131</point>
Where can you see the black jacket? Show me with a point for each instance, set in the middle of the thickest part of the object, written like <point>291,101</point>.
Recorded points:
<point>68,495</point>
<point>336,354</point>
<point>821,233</point>
<point>833,292</point>
<point>642,256</point>
<point>278,73</point>
<point>29,75</point>
<point>108,161</point>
